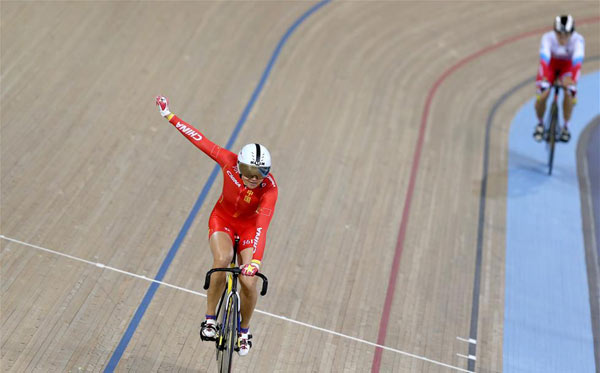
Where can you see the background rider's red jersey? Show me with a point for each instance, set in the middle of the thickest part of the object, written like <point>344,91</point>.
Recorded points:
<point>236,201</point>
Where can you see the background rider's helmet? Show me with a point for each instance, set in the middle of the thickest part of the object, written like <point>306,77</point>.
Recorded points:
<point>254,160</point>
<point>564,24</point>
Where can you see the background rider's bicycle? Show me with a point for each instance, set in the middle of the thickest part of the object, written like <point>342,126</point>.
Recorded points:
<point>552,127</point>
<point>228,312</point>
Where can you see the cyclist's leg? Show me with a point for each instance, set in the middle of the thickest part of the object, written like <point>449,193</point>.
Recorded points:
<point>569,93</point>
<point>543,81</point>
<point>248,291</point>
<point>540,104</point>
<point>221,246</point>
<point>569,97</point>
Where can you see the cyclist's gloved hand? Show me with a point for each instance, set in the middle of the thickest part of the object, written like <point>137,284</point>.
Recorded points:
<point>163,105</point>
<point>572,90</point>
<point>251,268</point>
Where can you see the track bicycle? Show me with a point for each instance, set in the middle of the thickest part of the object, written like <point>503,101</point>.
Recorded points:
<point>228,312</point>
<point>552,127</point>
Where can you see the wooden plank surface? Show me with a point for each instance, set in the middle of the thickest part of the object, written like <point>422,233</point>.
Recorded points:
<point>88,168</point>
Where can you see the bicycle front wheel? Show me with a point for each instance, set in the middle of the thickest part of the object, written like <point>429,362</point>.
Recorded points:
<point>228,338</point>
<point>552,136</point>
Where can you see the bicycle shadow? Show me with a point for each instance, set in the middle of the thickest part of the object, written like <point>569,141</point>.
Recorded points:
<point>527,174</point>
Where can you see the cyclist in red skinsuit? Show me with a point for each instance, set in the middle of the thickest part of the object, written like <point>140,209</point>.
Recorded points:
<point>245,209</point>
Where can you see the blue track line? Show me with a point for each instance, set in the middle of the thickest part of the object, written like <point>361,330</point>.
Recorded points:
<point>118,353</point>
<point>547,318</point>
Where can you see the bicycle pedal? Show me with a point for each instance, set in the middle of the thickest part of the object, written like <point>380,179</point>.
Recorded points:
<point>209,339</point>
<point>205,338</point>
<point>248,341</point>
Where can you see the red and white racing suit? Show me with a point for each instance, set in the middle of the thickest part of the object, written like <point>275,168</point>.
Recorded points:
<point>558,61</point>
<point>239,210</point>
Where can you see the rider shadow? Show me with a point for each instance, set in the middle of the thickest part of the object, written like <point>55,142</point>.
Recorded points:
<point>527,174</point>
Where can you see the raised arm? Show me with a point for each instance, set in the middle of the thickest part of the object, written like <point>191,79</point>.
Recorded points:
<point>218,154</point>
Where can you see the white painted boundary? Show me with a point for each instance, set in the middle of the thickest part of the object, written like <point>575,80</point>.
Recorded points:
<point>103,266</point>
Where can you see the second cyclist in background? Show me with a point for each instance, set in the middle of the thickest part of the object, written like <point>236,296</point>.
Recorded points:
<point>561,56</point>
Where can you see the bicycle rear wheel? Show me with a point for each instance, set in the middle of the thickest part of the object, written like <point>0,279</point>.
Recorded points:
<point>226,342</point>
<point>552,135</point>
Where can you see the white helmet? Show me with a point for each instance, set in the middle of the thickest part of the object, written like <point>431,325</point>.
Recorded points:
<point>254,159</point>
<point>564,24</point>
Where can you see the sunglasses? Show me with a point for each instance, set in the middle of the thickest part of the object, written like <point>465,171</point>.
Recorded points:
<point>251,171</point>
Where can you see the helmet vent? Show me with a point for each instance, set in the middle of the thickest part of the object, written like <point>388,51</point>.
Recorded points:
<point>258,162</point>
<point>564,24</point>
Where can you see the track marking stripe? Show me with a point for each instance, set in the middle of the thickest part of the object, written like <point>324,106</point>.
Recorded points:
<point>284,318</point>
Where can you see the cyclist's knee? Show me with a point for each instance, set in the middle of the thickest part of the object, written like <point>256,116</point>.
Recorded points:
<point>542,89</point>
<point>248,282</point>
<point>543,95</point>
<point>222,260</point>
<point>571,95</point>
<point>222,251</point>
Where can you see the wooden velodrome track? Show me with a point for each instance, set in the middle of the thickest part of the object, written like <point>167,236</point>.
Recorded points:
<point>90,169</point>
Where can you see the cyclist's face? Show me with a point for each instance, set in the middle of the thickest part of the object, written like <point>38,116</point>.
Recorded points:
<point>563,38</point>
<point>252,181</point>
<point>251,175</point>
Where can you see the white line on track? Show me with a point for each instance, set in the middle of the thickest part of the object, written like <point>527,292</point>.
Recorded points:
<point>470,340</point>
<point>103,266</point>
<point>470,357</point>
